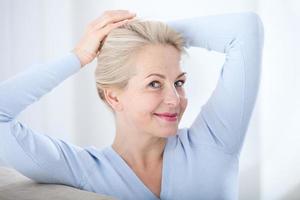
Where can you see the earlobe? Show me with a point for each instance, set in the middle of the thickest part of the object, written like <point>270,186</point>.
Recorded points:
<point>112,98</point>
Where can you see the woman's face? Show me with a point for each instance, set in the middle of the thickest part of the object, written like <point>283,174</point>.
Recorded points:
<point>156,88</point>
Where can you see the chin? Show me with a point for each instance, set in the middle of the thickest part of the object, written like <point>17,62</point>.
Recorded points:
<point>168,133</point>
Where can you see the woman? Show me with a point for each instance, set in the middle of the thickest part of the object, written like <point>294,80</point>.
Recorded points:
<point>139,78</point>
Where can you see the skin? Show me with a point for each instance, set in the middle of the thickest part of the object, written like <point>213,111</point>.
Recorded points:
<point>140,134</point>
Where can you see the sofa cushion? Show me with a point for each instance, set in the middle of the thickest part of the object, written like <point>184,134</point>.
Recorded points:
<point>14,185</point>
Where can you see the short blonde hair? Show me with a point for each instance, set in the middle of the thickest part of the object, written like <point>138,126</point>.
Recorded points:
<point>113,62</point>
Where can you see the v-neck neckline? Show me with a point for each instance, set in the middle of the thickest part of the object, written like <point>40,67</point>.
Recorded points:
<point>165,177</point>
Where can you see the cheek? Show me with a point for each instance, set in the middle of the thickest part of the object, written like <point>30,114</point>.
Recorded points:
<point>183,100</point>
<point>143,108</point>
<point>150,102</point>
<point>183,105</point>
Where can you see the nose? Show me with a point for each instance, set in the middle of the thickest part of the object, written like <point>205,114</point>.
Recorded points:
<point>172,97</point>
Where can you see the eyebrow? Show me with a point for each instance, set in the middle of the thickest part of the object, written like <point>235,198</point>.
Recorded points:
<point>162,76</point>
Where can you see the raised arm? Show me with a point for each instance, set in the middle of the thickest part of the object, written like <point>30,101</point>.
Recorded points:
<point>38,156</point>
<point>223,120</point>
<point>33,154</point>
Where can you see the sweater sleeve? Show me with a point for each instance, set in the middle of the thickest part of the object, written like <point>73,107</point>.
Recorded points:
<point>223,119</point>
<point>37,156</point>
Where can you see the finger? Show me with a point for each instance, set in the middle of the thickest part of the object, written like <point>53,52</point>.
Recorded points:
<point>113,19</point>
<point>107,29</point>
<point>104,32</point>
<point>104,19</point>
<point>108,13</point>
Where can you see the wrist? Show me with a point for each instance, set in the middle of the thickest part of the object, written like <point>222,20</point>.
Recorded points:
<point>84,56</point>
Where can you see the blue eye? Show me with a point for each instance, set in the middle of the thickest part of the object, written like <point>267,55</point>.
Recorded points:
<point>154,84</point>
<point>182,83</point>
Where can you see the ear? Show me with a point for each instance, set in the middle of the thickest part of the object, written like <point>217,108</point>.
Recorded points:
<point>112,97</point>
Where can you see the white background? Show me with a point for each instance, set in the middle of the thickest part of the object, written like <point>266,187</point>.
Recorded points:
<point>35,31</point>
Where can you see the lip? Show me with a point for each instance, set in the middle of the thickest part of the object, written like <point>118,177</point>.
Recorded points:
<point>171,117</point>
<point>166,114</point>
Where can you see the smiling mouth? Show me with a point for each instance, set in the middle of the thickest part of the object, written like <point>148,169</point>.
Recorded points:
<point>167,117</point>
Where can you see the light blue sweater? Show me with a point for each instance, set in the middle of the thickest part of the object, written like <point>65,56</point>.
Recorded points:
<point>200,162</point>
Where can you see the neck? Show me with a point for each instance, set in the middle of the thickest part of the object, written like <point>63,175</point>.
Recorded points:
<point>142,151</point>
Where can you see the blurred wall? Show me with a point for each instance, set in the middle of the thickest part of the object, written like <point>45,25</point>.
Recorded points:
<point>280,100</point>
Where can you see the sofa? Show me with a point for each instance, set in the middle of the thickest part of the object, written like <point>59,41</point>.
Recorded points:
<point>15,186</point>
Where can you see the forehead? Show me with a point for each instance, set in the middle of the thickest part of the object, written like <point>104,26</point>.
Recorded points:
<point>163,59</point>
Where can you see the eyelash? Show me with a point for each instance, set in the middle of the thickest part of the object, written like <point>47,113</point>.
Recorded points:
<point>150,84</point>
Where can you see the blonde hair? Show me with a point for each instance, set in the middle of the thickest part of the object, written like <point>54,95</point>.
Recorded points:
<point>113,63</point>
